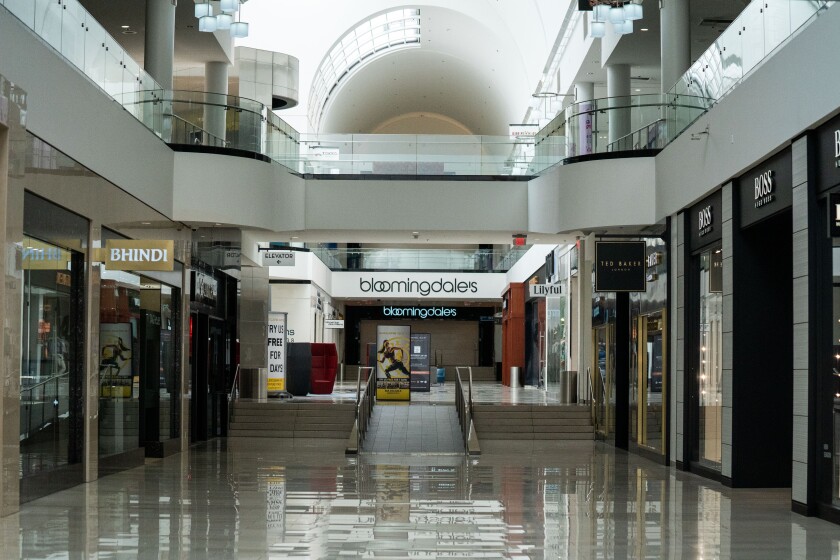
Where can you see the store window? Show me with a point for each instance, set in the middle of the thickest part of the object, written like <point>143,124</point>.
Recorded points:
<point>835,363</point>
<point>139,371</point>
<point>709,355</point>
<point>648,381</point>
<point>51,363</point>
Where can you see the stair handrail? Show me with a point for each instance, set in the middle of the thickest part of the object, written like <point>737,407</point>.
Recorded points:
<point>364,404</point>
<point>464,406</point>
<point>234,386</point>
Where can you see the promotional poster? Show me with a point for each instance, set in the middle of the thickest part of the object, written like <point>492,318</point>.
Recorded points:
<point>276,346</point>
<point>393,362</point>
<point>420,361</point>
<point>115,351</point>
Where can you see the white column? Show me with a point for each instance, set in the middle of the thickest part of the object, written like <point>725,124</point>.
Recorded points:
<point>216,88</point>
<point>584,92</point>
<point>674,40</point>
<point>160,40</point>
<point>618,90</point>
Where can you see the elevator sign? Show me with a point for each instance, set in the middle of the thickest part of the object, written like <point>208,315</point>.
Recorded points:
<point>278,258</point>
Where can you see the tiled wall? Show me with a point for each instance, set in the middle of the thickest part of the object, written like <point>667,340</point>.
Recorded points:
<point>677,342</point>
<point>728,192</point>
<point>801,332</point>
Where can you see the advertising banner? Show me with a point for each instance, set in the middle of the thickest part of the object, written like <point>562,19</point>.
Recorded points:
<point>421,344</point>
<point>115,354</point>
<point>276,352</point>
<point>393,362</point>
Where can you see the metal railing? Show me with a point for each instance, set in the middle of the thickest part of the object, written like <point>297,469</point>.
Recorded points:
<point>185,132</point>
<point>42,405</point>
<point>234,387</point>
<point>464,407</point>
<point>364,409</point>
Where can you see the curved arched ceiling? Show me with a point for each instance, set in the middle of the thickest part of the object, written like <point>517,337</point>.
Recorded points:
<point>490,53</point>
<point>463,71</point>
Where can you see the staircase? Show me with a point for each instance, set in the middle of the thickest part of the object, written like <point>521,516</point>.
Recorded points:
<point>532,422</point>
<point>289,420</point>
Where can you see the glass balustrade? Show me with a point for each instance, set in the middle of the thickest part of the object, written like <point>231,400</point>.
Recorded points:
<point>745,44</point>
<point>462,260</point>
<point>602,125</point>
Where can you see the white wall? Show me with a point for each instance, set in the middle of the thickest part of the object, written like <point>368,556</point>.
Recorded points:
<point>529,263</point>
<point>68,111</point>
<point>236,191</point>
<point>416,205</point>
<point>296,300</point>
<point>791,92</point>
<point>593,194</point>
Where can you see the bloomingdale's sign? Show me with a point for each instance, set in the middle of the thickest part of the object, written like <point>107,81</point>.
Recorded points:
<point>418,285</point>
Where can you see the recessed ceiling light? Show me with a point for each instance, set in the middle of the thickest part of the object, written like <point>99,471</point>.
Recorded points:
<point>125,26</point>
<point>644,29</point>
<point>146,223</point>
<point>637,89</point>
<point>295,237</point>
<point>218,224</point>
<point>415,233</point>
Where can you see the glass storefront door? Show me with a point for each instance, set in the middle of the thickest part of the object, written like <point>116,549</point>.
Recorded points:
<point>709,360</point>
<point>603,379</point>
<point>647,382</point>
<point>50,388</point>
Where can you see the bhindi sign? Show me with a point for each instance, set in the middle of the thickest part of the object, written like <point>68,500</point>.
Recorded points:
<point>620,266</point>
<point>137,254</point>
<point>278,258</point>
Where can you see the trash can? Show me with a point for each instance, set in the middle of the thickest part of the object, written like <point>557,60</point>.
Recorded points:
<point>567,387</point>
<point>441,375</point>
<point>253,383</point>
<point>515,373</point>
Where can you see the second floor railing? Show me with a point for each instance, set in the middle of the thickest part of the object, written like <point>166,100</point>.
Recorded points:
<point>475,260</point>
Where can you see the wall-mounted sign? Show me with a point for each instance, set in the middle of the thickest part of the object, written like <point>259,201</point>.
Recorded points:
<point>276,348</point>
<point>138,254</point>
<point>523,131</point>
<point>544,290</point>
<point>620,266</point>
<point>333,323</point>
<point>766,189</point>
<point>653,261</point>
<point>63,279</point>
<point>421,369</point>
<point>278,258</point>
<point>827,149</point>
<point>415,312</point>
<point>704,221</point>
<point>418,285</point>
<point>232,257</point>
<point>834,215</point>
<point>205,288</point>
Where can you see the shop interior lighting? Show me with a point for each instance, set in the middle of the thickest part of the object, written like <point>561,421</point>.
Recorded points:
<point>620,13</point>
<point>208,23</point>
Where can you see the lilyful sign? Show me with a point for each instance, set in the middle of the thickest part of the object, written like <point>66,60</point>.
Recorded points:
<point>544,290</point>
<point>138,254</point>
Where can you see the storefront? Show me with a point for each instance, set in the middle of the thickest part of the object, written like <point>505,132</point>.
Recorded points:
<point>703,411</point>
<point>649,376</point>
<point>213,349</point>
<point>139,360</point>
<point>823,441</point>
<point>53,337</point>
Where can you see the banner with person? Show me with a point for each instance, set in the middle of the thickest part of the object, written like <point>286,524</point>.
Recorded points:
<point>393,362</point>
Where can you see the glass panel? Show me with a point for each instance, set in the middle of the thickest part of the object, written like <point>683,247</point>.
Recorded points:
<point>555,315</point>
<point>652,426</point>
<point>48,22</point>
<point>73,34</point>
<point>119,363</point>
<point>604,379</point>
<point>835,383</point>
<point>113,68</point>
<point>23,9</point>
<point>48,419</point>
<point>169,370</point>
<point>751,23</point>
<point>710,362</point>
<point>776,23</point>
<point>95,53</point>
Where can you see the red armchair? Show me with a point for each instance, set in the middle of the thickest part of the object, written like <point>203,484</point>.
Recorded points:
<point>324,366</point>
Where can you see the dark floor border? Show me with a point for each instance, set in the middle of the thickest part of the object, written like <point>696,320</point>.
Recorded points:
<point>823,511</point>
<point>649,454</point>
<point>39,485</point>
<point>122,461</point>
<point>801,509</point>
<point>161,449</point>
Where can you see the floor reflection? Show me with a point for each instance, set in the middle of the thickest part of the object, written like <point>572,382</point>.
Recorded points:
<point>582,501</point>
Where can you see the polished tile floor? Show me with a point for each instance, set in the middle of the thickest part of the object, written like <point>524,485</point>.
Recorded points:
<point>413,428</point>
<point>583,500</point>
